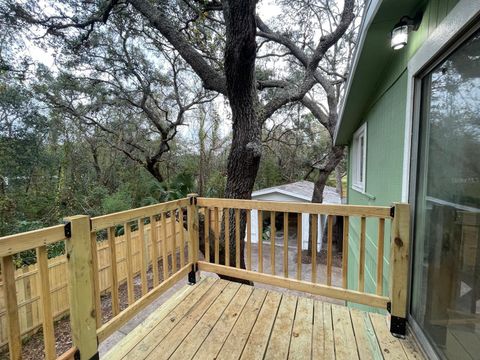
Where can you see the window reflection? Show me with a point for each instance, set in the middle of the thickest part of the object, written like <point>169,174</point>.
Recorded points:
<point>446,277</point>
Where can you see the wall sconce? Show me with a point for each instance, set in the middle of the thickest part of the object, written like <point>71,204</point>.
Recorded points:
<point>399,33</point>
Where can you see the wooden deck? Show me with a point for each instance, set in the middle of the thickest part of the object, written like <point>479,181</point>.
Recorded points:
<point>217,319</point>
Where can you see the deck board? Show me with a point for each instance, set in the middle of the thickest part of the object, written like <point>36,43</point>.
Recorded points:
<point>217,319</point>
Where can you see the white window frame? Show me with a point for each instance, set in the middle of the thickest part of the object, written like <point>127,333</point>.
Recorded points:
<point>359,159</point>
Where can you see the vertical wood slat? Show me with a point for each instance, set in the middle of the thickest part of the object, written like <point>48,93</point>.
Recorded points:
<point>113,270</point>
<point>299,246</point>
<point>248,230</point>
<point>154,241</point>
<point>129,262</point>
<point>226,217</point>
<point>285,244</point>
<point>46,304</point>
<point>380,249</point>
<point>173,241</point>
<point>329,248</point>
<point>13,324</point>
<point>217,235</point>
<point>164,246</point>
<point>260,241</point>
<point>182,237</point>
<point>273,234</point>
<point>237,238</point>
<point>96,281</point>
<point>314,232</point>
<point>207,234</point>
<point>143,256</point>
<point>193,227</point>
<point>361,265</point>
<point>345,252</point>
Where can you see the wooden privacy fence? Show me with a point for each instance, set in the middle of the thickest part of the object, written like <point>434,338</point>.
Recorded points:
<point>28,284</point>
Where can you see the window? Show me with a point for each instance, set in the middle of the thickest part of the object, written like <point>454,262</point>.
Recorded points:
<point>359,157</point>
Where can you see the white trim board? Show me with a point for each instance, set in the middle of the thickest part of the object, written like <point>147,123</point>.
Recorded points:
<point>457,21</point>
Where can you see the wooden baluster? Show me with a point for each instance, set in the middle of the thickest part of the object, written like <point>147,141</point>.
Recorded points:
<point>80,287</point>
<point>10,293</point>
<point>380,246</point>
<point>273,234</point>
<point>193,230</point>
<point>46,302</point>
<point>226,217</point>
<point>217,235</point>
<point>155,255</point>
<point>329,249</point>
<point>248,230</point>
<point>260,241</point>
<point>96,280</point>
<point>314,231</point>
<point>129,262</point>
<point>164,246</point>
<point>285,244</point>
<point>173,241</point>
<point>114,270</point>
<point>237,238</point>
<point>182,237</point>
<point>361,269</point>
<point>143,256</point>
<point>207,234</point>
<point>299,246</point>
<point>345,253</point>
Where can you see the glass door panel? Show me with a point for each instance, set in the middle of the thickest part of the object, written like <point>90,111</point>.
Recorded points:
<point>446,264</point>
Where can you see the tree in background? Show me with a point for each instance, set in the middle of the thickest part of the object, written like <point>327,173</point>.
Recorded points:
<point>218,41</point>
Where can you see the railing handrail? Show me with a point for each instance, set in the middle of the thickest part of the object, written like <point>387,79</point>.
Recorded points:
<point>298,207</point>
<point>106,221</point>
<point>13,244</point>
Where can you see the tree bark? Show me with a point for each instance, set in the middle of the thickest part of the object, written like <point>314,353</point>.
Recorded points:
<point>246,149</point>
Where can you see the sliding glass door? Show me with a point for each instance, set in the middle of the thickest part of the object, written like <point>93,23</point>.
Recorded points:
<point>445,296</point>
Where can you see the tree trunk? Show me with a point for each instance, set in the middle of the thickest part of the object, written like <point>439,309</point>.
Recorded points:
<point>332,161</point>
<point>246,148</point>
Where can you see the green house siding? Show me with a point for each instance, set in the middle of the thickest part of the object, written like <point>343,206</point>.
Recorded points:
<point>385,117</point>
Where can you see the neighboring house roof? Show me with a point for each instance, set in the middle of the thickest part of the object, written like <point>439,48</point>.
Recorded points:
<point>302,190</point>
<point>371,57</point>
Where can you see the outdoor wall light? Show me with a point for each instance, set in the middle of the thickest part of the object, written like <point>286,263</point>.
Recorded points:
<point>399,34</point>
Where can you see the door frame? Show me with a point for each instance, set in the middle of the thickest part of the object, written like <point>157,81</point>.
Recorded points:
<point>462,21</point>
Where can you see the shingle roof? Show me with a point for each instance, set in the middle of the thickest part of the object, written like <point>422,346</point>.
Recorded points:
<point>303,190</point>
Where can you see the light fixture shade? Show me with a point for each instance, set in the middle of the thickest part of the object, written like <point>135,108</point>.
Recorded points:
<point>399,37</point>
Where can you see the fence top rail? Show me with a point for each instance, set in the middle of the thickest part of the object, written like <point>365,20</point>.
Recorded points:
<point>109,220</point>
<point>298,207</point>
<point>13,244</point>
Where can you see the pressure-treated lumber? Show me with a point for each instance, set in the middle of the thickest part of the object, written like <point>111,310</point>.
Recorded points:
<point>114,270</point>
<point>80,286</point>
<point>96,280</point>
<point>13,244</point>
<point>380,250</point>
<point>143,255</point>
<point>154,241</point>
<point>46,301</point>
<point>292,284</point>
<point>237,238</point>
<point>128,242</point>
<point>400,245</point>
<point>346,225</point>
<point>329,248</point>
<point>249,240</point>
<point>13,326</point>
<point>323,209</point>
<point>299,246</point>
<point>361,262</point>
<point>106,221</point>
<point>115,323</point>
<point>285,245</point>
<point>260,241</point>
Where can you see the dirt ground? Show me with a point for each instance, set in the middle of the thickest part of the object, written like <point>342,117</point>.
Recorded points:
<point>33,346</point>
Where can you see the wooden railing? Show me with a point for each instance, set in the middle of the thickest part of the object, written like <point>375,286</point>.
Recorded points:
<point>161,230</point>
<point>232,221</point>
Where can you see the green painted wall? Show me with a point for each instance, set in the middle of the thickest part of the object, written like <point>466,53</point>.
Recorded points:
<point>385,117</point>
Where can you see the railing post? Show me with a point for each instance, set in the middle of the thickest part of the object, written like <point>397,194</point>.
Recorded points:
<point>193,236</point>
<point>399,264</point>
<point>80,287</point>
